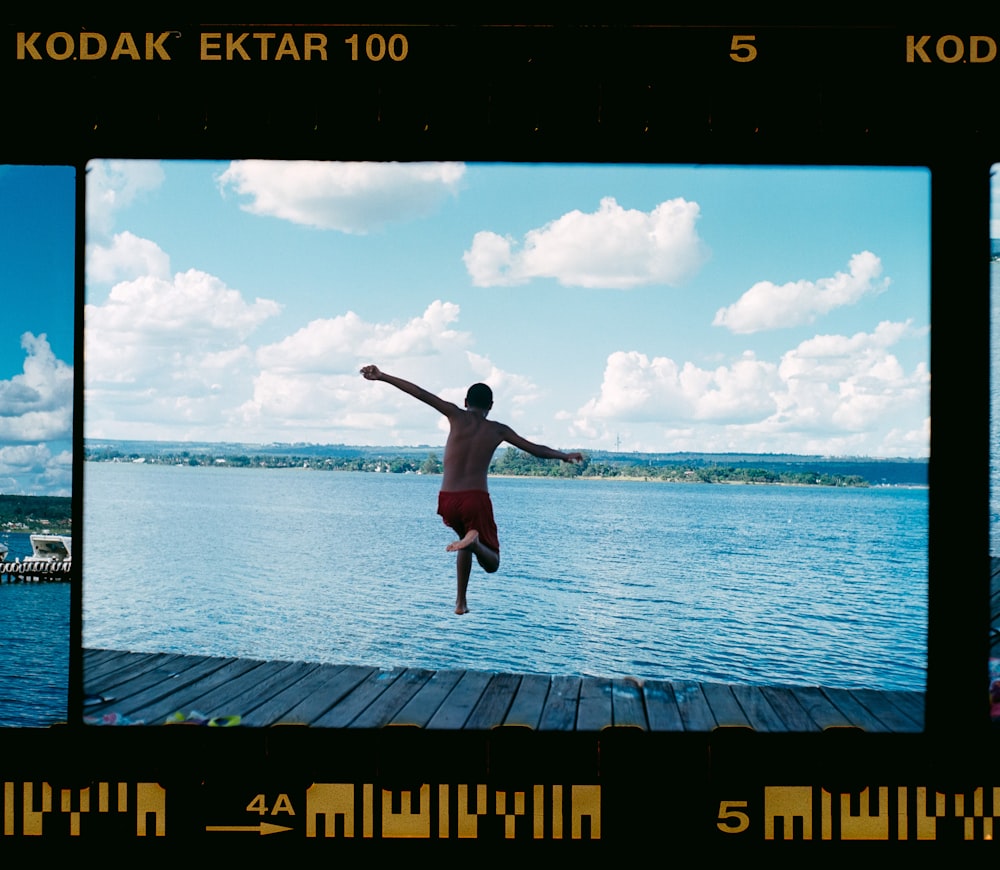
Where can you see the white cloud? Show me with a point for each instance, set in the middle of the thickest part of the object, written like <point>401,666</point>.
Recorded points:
<point>37,405</point>
<point>128,256</point>
<point>830,394</point>
<point>189,306</point>
<point>168,352</point>
<point>33,469</point>
<point>336,344</point>
<point>113,185</point>
<point>849,383</point>
<point>349,197</point>
<point>612,247</point>
<point>771,306</point>
<point>160,364</point>
<point>639,389</point>
<point>309,387</point>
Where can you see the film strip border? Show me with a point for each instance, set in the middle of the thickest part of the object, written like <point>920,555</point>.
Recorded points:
<point>421,90</point>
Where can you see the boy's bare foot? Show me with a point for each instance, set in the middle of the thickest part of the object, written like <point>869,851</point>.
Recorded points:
<point>470,538</point>
<point>461,609</point>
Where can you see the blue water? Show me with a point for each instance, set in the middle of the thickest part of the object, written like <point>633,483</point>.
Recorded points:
<point>995,409</point>
<point>34,647</point>
<point>749,584</point>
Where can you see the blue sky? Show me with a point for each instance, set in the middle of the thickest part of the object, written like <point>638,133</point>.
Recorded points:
<point>37,239</point>
<point>647,308</point>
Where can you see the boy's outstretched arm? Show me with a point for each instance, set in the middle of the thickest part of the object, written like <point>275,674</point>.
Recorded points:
<point>373,373</point>
<point>539,450</point>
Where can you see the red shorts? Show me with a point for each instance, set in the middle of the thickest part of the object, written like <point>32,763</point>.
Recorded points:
<point>470,509</point>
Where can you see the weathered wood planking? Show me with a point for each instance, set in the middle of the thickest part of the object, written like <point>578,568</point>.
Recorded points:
<point>150,687</point>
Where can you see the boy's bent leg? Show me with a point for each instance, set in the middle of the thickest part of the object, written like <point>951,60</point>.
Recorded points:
<point>487,557</point>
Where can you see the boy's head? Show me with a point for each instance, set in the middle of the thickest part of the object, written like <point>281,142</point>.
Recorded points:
<point>479,396</point>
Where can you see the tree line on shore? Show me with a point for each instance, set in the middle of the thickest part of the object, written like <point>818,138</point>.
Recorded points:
<point>510,462</point>
<point>36,513</point>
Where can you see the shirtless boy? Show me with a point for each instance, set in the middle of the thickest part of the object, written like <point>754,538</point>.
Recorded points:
<point>464,500</point>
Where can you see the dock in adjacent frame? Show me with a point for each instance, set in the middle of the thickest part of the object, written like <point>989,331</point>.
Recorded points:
<point>148,688</point>
<point>35,571</point>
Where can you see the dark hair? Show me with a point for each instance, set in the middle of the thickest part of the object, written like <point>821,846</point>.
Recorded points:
<point>479,396</point>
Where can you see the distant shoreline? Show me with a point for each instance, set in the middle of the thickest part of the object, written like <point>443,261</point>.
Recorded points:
<point>678,474</point>
<point>35,514</point>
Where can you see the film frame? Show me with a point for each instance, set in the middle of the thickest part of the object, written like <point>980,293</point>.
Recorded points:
<point>912,98</point>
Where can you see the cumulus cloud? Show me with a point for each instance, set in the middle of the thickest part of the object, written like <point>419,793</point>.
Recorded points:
<point>337,343</point>
<point>613,247</point>
<point>33,469</point>
<point>167,350</point>
<point>113,185</point>
<point>772,306</point>
<point>637,388</point>
<point>849,382</point>
<point>831,393</point>
<point>191,304</point>
<point>172,360</point>
<point>128,256</point>
<point>37,405</point>
<point>309,382</point>
<point>349,197</point>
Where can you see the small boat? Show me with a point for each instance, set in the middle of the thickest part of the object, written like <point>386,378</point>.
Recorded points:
<point>3,552</point>
<point>51,548</point>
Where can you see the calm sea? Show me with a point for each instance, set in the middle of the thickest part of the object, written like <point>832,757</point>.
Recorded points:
<point>34,647</point>
<point>749,584</point>
<point>995,409</point>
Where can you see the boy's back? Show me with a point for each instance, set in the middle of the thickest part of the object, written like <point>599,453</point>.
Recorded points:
<point>472,441</point>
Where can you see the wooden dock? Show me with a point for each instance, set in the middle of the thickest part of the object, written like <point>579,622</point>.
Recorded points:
<point>147,688</point>
<point>35,571</point>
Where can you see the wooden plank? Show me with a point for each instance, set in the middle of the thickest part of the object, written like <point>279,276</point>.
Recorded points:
<point>881,705</point>
<point>911,703</point>
<point>184,699</point>
<point>725,707</point>
<point>230,697</point>
<point>693,706</point>
<point>856,712</point>
<point>821,709</point>
<point>272,708</point>
<point>100,662</point>
<point>250,691</point>
<point>662,711</point>
<point>785,704</point>
<point>595,708</point>
<point>559,712</point>
<point>112,668</point>
<point>150,686</point>
<point>759,712</point>
<point>168,677</point>
<point>627,706</point>
<point>425,703</point>
<point>387,705</point>
<point>492,707</point>
<point>354,703</point>
<point>455,709</point>
<point>328,684</point>
<point>133,668</point>
<point>526,709</point>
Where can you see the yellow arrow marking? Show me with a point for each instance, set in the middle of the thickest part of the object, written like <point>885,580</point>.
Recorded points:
<point>263,828</point>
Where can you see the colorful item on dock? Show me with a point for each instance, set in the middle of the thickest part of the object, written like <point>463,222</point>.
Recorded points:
<point>111,719</point>
<point>196,718</point>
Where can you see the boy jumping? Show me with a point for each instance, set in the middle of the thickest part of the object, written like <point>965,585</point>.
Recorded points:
<point>464,500</point>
